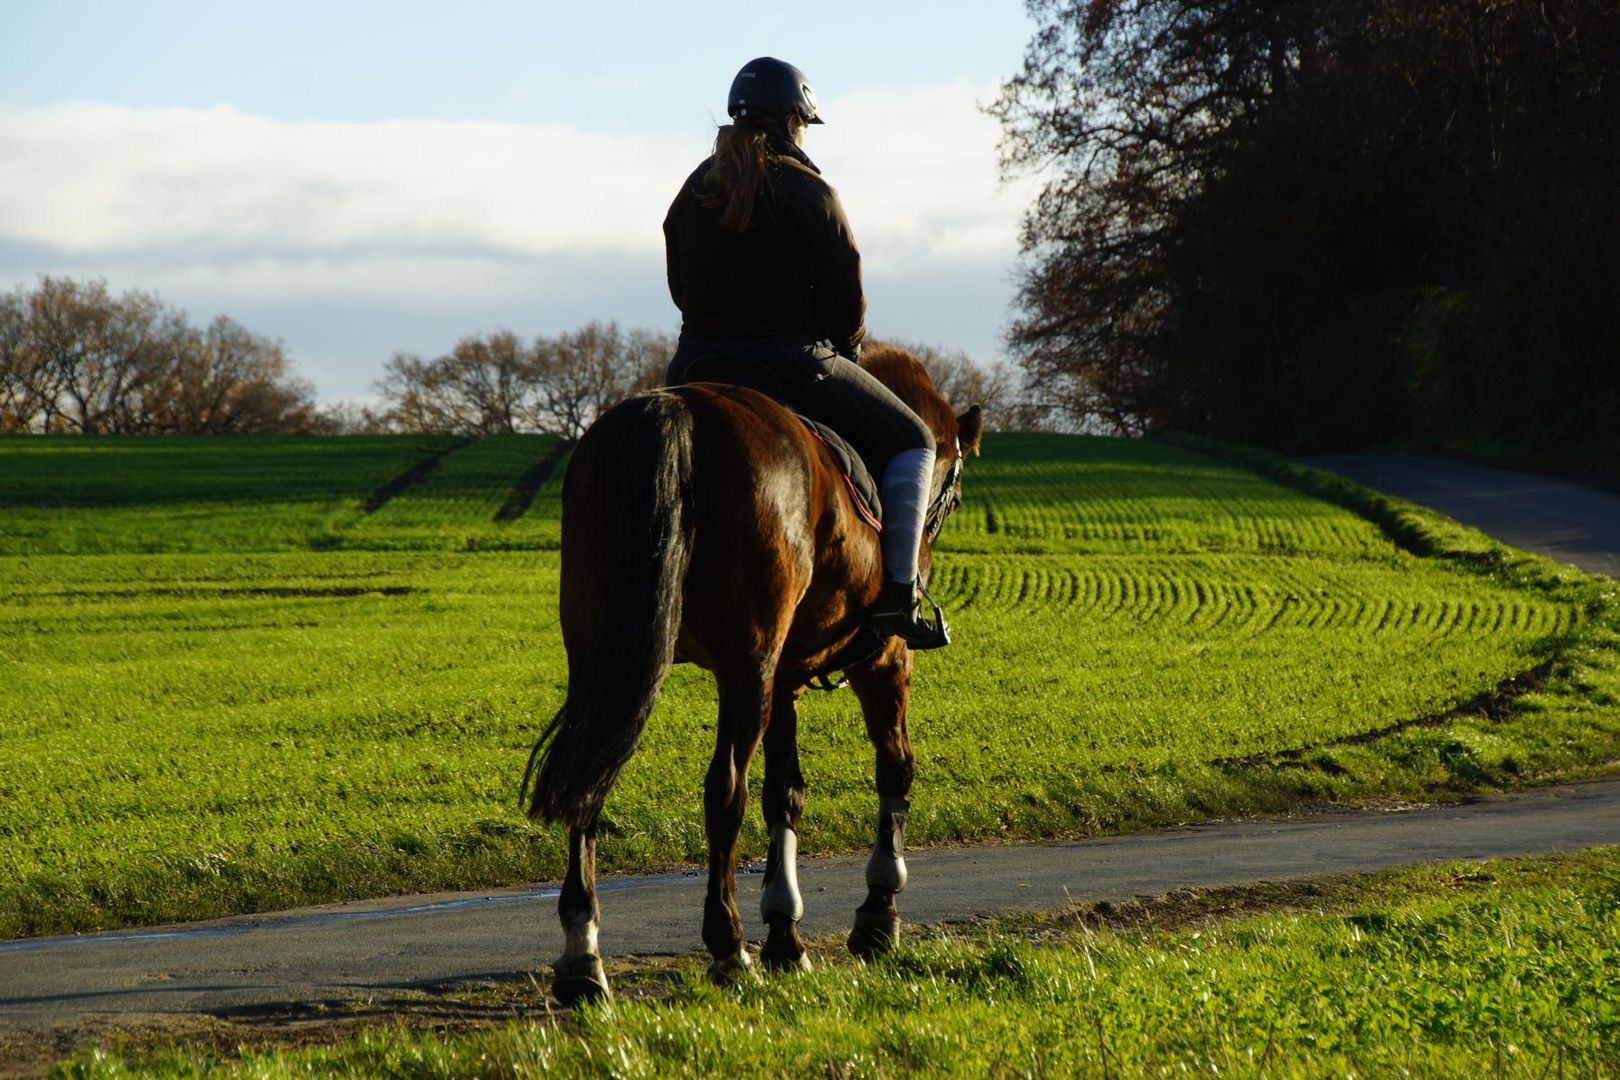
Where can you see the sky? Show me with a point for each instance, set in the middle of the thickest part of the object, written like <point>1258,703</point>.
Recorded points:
<point>358,179</point>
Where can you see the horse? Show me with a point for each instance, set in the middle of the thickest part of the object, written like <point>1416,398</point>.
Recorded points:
<point>704,523</point>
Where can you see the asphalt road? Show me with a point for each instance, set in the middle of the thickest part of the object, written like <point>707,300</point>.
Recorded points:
<point>344,952</point>
<point>1563,521</point>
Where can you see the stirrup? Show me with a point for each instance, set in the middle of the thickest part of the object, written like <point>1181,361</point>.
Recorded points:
<point>909,626</point>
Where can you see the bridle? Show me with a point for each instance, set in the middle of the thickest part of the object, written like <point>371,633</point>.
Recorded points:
<point>948,499</point>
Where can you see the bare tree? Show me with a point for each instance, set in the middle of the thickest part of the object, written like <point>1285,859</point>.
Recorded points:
<point>351,418</point>
<point>411,388</point>
<point>227,380</point>
<point>580,374</point>
<point>481,387</point>
<point>21,395</point>
<point>487,380</point>
<point>998,389</point>
<point>646,357</point>
<point>75,358</point>
<point>101,350</point>
<point>557,385</point>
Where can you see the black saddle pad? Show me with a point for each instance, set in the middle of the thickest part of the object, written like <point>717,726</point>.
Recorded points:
<point>863,490</point>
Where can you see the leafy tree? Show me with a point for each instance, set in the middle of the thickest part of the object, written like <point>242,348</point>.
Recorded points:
<point>1319,223</point>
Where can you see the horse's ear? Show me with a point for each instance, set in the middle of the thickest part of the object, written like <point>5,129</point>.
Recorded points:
<point>969,426</point>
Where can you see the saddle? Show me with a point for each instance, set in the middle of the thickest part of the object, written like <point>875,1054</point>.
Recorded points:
<point>858,478</point>
<point>858,481</point>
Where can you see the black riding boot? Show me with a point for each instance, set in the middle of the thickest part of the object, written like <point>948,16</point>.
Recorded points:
<point>896,613</point>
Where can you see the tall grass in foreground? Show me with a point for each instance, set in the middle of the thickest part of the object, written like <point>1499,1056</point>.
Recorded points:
<point>1500,969</point>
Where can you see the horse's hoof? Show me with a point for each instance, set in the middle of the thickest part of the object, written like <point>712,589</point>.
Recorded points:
<point>874,933</point>
<point>784,949</point>
<point>579,978</point>
<point>731,970</point>
<point>785,961</point>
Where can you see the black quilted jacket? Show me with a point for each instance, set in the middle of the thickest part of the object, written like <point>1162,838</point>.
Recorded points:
<point>794,270</point>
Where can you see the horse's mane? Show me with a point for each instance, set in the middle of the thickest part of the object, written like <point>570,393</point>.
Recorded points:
<point>902,372</point>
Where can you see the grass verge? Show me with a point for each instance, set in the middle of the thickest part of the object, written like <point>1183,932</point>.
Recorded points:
<point>1575,691</point>
<point>1510,967</point>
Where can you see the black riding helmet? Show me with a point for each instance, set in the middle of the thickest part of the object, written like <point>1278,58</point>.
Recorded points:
<point>772,89</point>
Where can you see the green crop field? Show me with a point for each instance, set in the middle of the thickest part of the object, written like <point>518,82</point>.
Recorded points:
<point>1508,968</point>
<point>243,674</point>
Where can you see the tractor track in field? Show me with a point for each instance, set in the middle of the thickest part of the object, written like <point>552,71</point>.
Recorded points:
<point>409,477</point>
<point>529,484</point>
<point>1493,703</point>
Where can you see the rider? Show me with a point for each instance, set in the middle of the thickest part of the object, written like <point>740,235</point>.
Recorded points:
<point>758,249</point>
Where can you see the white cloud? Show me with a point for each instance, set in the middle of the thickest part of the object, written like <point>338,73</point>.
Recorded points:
<point>217,184</point>
<point>917,173</point>
<point>350,241</point>
<point>415,207</point>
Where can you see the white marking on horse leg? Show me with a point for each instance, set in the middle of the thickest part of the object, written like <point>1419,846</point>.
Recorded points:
<point>781,895</point>
<point>886,869</point>
<point>579,937</point>
<point>732,969</point>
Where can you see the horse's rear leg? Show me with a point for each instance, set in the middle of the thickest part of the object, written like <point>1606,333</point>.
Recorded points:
<point>745,700</point>
<point>883,689</point>
<point>780,903</point>
<point>578,972</point>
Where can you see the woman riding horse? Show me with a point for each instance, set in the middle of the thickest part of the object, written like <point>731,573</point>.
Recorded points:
<point>704,523</point>
<point>767,276</point>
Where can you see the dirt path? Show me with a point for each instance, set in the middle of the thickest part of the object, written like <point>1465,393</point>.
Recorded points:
<point>344,952</point>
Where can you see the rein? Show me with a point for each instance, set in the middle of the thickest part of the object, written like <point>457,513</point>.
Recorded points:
<point>949,498</point>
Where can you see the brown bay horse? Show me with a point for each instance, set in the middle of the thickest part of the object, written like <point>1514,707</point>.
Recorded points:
<point>703,522</point>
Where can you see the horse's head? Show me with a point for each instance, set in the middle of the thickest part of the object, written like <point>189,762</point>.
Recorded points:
<point>955,436</point>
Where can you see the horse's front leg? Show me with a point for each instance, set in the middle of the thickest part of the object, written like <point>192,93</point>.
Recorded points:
<point>744,703</point>
<point>578,972</point>
<point>883,688</point>
<point>780,903</point>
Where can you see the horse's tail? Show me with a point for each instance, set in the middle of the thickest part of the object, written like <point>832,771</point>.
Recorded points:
<point>612,686</point>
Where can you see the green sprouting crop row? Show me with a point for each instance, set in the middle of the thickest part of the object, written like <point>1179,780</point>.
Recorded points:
<point>136,495</point>
<point>1055,493</point>
<point>1503,969</point>
<point>297,715</point>
<point>1031,493</point>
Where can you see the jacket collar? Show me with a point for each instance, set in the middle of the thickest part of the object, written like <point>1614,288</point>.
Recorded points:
<point>786,147</point>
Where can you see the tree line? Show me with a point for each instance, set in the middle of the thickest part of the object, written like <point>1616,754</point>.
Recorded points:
<point>75,358</point>
<point>1316,224</point>
<point>497,383</point>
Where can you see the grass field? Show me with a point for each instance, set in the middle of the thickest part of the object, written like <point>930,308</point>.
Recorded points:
<point>1508,968</point>
<point>230,680</point>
